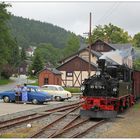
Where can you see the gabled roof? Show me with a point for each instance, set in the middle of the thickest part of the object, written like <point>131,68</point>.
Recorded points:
<point>93,64</point>
<point>98,54</point>
<point>124,47</point>
<point>53,70</point>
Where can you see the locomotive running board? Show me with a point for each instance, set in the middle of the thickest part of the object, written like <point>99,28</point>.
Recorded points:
<point>98,114</point>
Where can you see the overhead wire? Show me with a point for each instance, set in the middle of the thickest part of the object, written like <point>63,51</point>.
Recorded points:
<point>109,12</point>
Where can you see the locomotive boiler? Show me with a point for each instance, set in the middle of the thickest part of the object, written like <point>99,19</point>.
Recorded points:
<point>107,92</point>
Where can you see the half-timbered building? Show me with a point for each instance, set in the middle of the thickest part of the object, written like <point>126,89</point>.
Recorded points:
<point>75,68</point>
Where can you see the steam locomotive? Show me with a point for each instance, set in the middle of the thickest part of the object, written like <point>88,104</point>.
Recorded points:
<point>108,91</point>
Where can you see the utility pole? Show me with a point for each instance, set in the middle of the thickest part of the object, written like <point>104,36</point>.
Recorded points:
<point>90,42</point>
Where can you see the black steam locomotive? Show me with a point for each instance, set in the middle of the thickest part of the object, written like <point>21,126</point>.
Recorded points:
<point>108,91</point>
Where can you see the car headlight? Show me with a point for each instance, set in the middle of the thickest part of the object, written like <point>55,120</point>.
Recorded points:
<point>115,89</point>
<point>82,88</point>
<point>98,73</point>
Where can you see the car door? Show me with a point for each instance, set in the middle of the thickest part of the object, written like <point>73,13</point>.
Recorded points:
<point>31,94</point>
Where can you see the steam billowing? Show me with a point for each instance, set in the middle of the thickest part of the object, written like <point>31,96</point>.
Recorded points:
<point>119,57</point>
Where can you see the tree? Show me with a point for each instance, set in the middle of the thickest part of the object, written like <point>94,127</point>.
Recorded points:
<point>23,54</point>
<point>72,46</point>
<point>136,40</point>
<point>37,64</point>
<point>49,53</point>
<point>111,34</point>
<point>7,43</point>
<point>136,64</point>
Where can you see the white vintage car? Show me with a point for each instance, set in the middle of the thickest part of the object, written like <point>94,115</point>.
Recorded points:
<point>57,91</point>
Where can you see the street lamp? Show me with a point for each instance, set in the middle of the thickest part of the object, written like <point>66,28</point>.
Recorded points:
<point>33,71</point>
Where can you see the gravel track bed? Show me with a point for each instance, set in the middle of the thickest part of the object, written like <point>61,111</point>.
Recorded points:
<point>31,111</point>
<point>37,125</point>
<point>77,129</point>
<point>58,126</point>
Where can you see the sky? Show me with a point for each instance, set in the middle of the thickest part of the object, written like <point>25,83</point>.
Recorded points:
<point>74,16</point>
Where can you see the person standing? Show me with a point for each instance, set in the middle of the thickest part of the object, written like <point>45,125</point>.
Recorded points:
<point>24,94</point>
<point>18,93</point>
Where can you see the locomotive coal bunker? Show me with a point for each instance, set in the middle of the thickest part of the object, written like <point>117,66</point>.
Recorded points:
<point>108,91</point>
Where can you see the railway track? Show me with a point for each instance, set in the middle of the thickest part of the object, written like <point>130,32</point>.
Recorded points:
<point>60,122</point>
<point>75,127</point>
<point>19,120</point>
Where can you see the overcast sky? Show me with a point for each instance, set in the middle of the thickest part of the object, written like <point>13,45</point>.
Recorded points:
<point>74,16</point>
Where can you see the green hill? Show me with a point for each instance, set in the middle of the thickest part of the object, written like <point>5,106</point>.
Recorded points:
<point>30,32</point>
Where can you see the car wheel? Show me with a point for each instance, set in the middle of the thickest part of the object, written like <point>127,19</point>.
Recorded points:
<point>6,99</point>
<point>35,101</point>
<point>62,99</point>
<point>58,98</point>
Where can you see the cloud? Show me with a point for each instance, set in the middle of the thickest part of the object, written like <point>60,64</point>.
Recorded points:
<point>74,16</point>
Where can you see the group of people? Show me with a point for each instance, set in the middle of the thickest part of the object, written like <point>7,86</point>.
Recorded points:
<point>21,93</point>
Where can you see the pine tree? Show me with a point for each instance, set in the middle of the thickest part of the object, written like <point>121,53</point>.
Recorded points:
<point>23,55</point>
<point>37,63</point>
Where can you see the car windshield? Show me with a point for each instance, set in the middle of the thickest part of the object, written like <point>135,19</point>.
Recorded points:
<point>60,89</point>
<point>38,89</point>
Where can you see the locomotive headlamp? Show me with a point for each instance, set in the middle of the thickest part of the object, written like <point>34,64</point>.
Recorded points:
<point>115,89</point>
<point>98,73</point>
<point>82,88</point>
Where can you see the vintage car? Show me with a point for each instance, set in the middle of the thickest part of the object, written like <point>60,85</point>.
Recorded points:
<point>57,91</point>
<point>34,95</point>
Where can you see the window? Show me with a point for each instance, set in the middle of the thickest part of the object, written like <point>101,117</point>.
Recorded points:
<point>30,89</point>
<point>52,88</point>
<point>99,47</point>
<point>69,74</point>
<point>46,81</point>
<point>60,89</point>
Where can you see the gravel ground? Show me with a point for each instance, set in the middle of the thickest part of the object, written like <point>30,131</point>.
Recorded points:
<point>125,126</point>
<point>12,110</point>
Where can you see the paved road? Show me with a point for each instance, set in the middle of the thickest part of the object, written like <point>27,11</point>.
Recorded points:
<point>20,80</point>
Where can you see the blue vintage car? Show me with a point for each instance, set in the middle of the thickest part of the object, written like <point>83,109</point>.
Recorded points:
<point>34,95</point>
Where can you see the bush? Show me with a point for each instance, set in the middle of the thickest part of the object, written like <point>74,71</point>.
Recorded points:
<point>7,71</point>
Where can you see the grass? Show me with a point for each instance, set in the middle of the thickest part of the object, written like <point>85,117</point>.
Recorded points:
<point>34,84</point>
<point>137,106</point>
<point>72,89</point>
<point>13,135</point>
<point>5,81</point>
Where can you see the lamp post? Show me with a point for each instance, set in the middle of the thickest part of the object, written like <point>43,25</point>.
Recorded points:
<point>33,71</point>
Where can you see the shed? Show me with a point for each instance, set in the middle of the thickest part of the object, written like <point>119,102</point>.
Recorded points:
<point>50,76</point>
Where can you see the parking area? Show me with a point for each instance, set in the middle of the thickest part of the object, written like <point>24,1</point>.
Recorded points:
<point>9,108</point>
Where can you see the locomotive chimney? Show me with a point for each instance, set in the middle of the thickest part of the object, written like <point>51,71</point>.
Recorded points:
<point>101,64</point>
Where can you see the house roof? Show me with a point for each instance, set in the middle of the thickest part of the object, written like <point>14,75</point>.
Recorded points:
<point>93,64</point>
<point>53,70</point>
<point>98,54</point>
<point>121,46</point>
